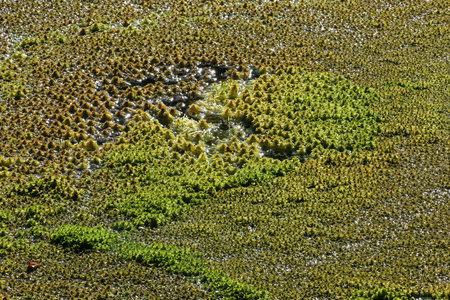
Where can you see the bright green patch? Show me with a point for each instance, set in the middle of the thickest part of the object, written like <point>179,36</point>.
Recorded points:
<point>293,114</point>
<point>172,173</point>
<point>81,238</point>
<point>175,261</point>
<point>8,245</point>
<point>183,261</point>
<point>308,114</point>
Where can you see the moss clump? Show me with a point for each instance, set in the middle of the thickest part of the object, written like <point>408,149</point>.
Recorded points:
<point>174,260</point>
<point>81,238</point>
<point>391,294</point>
<point>255,172</point>
<point>301,113</point>
<point>6,161</point>
<point>187,263</point>
<point>292,113</point>
<point>57,187</point>
<point>8,245</point>
<point>233,91</point>
<point>90,145</point>
<point>19,93</point>
<point>98,27</point>
<point>170,174</point>
<point>28,42</point>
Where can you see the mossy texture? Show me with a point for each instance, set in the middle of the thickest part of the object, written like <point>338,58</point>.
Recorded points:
<point>390,294</point>
<point>299,149</point>
<point>175,261</point>
<point>81,238</point>
<point>301,113</point>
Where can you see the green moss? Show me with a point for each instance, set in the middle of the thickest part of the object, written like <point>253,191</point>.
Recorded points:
<point>4,230</point>
<point>6,215</point>
<point>172,174</point>
<point>99,27</point>
<point>174,260</point>
<point>187,263</point>
<point>80,238</point>
<point>39,231</point>
<point>8,245</point>
<point>28,42</point>
<point>47,187</point>
<point>293,113</point>
<point>392,294</point>
<point>256,172</point>
<point>296,112</point>
<point>420,85</point>
<point>359,186</point>
<point>19,93</point>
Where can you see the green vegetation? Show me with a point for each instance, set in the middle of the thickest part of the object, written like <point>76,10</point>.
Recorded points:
<point>177,261</point>
<point>224,150</point>
<point>188,264</point>
<point>81,238</point>
<point>172,169</point>
<point>299,113</point>
<point>170,175</point>
<point>389,294</point>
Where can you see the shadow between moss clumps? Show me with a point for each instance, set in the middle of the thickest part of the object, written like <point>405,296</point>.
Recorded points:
<point>174,260</point>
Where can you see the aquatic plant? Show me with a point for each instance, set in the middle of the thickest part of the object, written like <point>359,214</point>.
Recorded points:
<point>80,238</point>
<point>331,158</point>
<point>388,294</point>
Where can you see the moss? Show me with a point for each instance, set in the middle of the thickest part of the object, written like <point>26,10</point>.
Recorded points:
<point>28,42</point>
<point>177,182</point>
<point>256,172</point>
<point>391,294</point>
<point>90,145</point>
<point>296,116</point>
<point>47,186</point>
<point>6,161</point>
<point>357,186</point>
<point>186,263</point>
<point>98,27</point>
<point>176,261</point>
<point>19,93</point>
<point>80,238</point>
<point>8,245</point>
<point>233,91</point>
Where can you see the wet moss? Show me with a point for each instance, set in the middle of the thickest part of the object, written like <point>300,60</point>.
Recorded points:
<point>79,238</point>
<point>65,82</point>
<point>387,293</point>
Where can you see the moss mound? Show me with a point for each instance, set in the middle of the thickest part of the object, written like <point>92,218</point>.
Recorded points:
<point>295,112</point>
<point>81,238</point>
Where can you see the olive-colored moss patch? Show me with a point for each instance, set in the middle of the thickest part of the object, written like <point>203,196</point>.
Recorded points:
<point>77,78</point>
<point>391,294</point>
<point>293,113</point>
<point>175,261</point>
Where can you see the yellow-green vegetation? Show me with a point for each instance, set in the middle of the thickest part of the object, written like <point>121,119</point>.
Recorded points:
<point>388,294</point>
<point>177,261</point>
<point>224,149</point>
<point>182,261</point>
<point>81,238</point>
<point>301,113</point>
<point>170,174</point>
